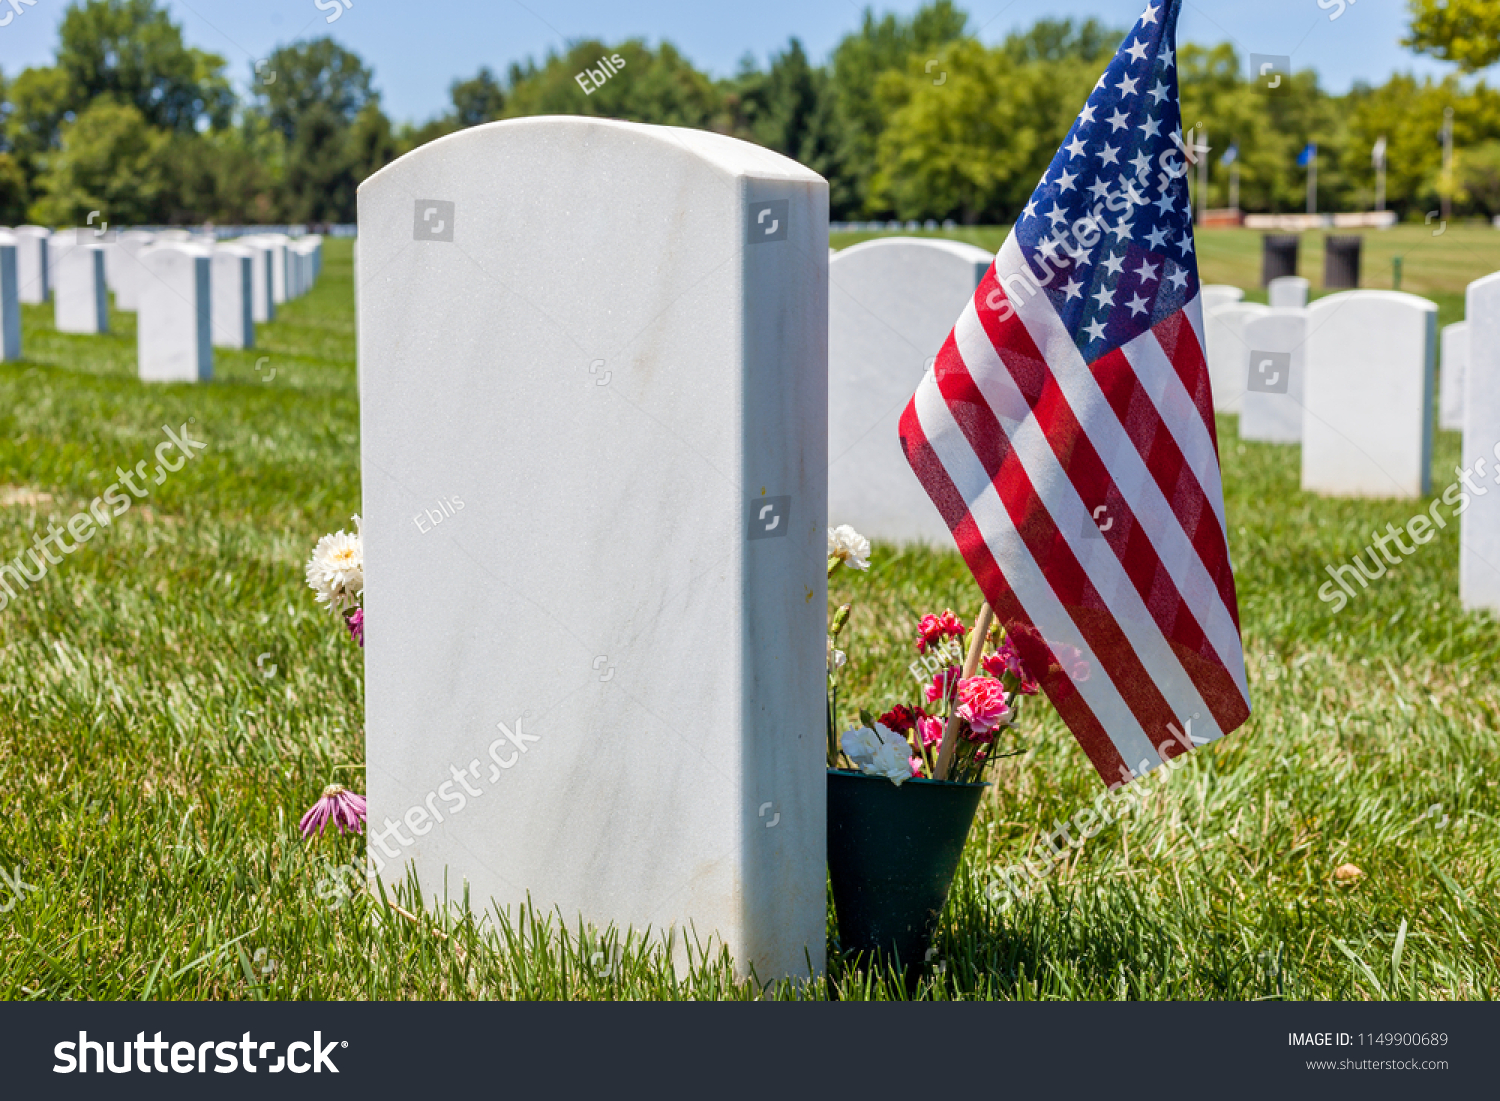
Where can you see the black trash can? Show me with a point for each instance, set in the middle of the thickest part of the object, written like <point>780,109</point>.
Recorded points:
<point>1341,262</point>
<point>1278,256</point>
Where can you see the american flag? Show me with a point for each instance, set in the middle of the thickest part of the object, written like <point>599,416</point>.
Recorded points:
<point>1066,434</point>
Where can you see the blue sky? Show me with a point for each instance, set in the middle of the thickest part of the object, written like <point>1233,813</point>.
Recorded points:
<point>417,50</point>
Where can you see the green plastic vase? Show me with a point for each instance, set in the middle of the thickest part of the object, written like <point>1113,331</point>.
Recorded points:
<point>892,855</point>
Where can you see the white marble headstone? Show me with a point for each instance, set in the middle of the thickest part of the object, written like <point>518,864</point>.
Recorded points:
<point>278,242</point>
<point>80,296</point>
<point>891,304</point>
<point>1228,353</point>
<point>233,291</point>
<point>1271,409</point>
<point>1288,292</point>
<point>1455,348</point>
<point>1367,417</point>
<point>126,260</point>
<point>594,440</point>
<point>1219,294</point>
<point>174,322</point>
<point>1479,548</point>
<point>10,298</point>
<point>263,300</point>
<point>31,263</point>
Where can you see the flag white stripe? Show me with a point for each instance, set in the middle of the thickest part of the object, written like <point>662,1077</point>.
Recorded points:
<point>1023,576</point>
<point>1160,381</point>
<point>1030,446</point>
<point>1128,470</point>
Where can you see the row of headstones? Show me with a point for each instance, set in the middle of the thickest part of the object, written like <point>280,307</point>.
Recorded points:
<point>1350,378</point>
<point>192,294</point>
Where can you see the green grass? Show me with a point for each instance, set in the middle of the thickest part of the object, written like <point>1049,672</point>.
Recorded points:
<point>152,776</point>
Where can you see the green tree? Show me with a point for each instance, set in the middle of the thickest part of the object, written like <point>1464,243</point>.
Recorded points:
<point>970,138</point>
<point>316,82</point>
<point>1409,115</point>
<point>859,60</point>
<point>323,105</point>
<point>1462,31</point>
<point>13,191</point>
<point>477,100</point>
<point>110,161</point>
<point>1062,40</point>
<point>371,145</point>
<point>789,108</point>
<point>131,51</point>
<point>657,86</point>
<point>1479,178</point>
<point>37,108</point>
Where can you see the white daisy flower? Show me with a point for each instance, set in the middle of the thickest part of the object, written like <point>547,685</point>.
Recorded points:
<point>336,571</point>
<point>849,546</point>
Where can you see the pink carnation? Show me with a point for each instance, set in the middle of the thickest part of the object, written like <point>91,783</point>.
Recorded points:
<point>981,704</point>
<point>942,684</point>
<point>916,768</point>
<point>934,629</point>
<point>931,730</point>
<point>1008,660</point>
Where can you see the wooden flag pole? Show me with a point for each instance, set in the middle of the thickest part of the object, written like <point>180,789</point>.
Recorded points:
<point>971,665</point>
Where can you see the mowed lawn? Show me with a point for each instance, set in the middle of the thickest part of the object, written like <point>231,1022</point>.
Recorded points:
<point>171,700</point>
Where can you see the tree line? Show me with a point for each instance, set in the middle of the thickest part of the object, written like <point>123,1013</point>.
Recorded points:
<point>909,117</point>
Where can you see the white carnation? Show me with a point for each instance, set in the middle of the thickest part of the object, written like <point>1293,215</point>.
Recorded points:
<point>336,571</point>
<point>836,658</point>
<point>879,752</point>
<point>850,546</point>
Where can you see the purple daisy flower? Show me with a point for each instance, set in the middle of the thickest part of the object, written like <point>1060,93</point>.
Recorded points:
<point>338,805</point>
<point>356,624</point>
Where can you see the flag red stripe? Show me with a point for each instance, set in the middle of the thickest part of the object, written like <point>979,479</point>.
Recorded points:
<point>1158,448</point>
<point>1046,544</point>
<point>1069,702</point>
<point>1079,458</point>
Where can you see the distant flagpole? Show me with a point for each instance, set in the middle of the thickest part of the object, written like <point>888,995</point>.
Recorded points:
<point>1378,156</point>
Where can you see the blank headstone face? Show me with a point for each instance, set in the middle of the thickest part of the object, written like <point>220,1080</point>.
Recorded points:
<point>128,270</point>
<point>233,316</point>
<point>80,296</point>
<point>594,440</point>
<point>1228,353</point>
<point>1479,550</point>
<point>1455,348</point>
<point>1271,409</point>
<point>10,299</point>
<point>891,304</point>
<point>278,242</point>
<point>1219,294</point>
<point>263,300</point>
<point>174,322</point>
<point>1288,292</point>
<point>31,263</point>
<point>1367,419</point>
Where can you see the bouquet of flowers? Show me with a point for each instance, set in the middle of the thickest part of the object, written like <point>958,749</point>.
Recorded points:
<point>949,734</point>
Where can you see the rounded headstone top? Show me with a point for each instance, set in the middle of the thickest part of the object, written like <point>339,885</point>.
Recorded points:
<point>577,134</point>
<point>1373,298</point>
<point>958,249</point>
